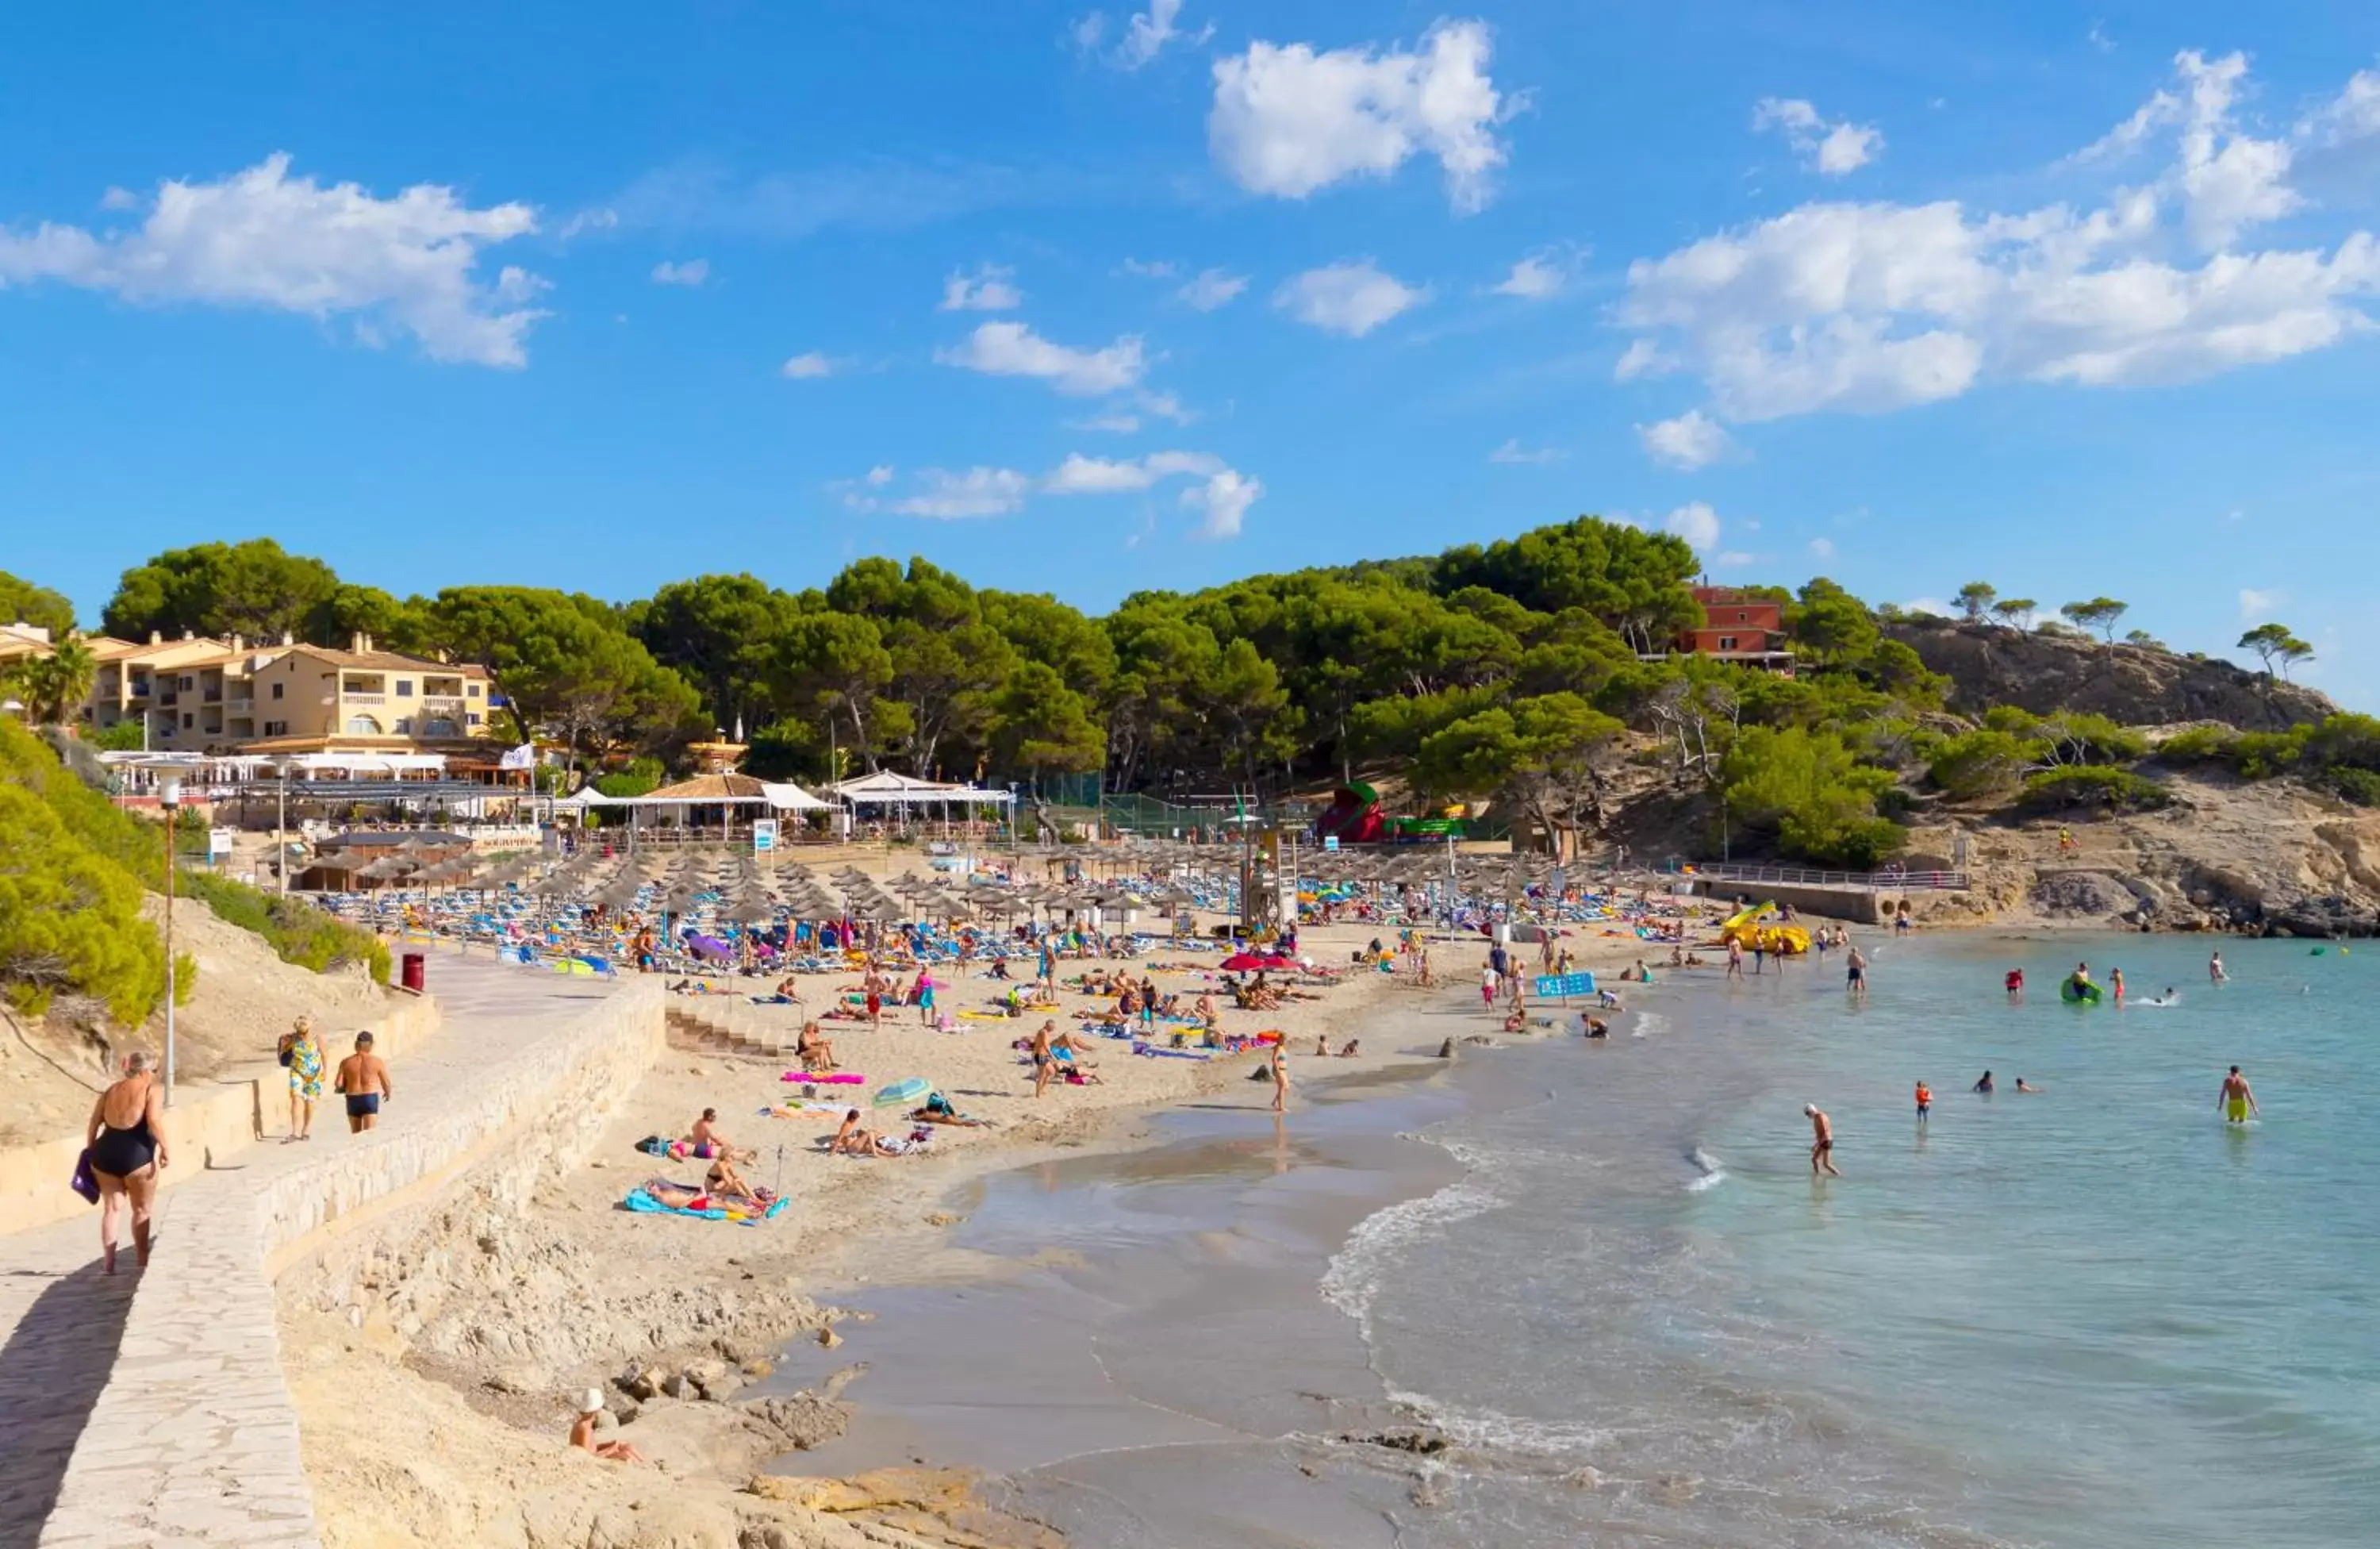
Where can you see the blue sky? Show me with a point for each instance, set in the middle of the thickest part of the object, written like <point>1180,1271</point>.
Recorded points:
<point>2075,299</point>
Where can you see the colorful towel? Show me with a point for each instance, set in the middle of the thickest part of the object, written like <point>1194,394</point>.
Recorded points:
<point>646,1204</point>
<point>832,1078</point>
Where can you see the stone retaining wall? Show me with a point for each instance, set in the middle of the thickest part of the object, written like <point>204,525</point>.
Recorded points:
<point>209,1121</point>
<point>194,1440</point>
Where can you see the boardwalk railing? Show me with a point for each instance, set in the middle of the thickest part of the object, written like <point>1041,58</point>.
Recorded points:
<point>1799,876</point>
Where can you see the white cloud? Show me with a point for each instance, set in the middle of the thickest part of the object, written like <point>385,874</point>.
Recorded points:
<point>119,199</point>
<point>1014,349</point>
<point>979,492</point>
<point>986,290</point>
<point>1211,289</point>
<point>1220,493</point>
<point>597,219</point>
<point>2257,606</point>
<point>1114,424</point>
<point>1351,297</point>
<point>1822,548</point>
<point>1151,268</point>
<point>808,364</point>
<point>2098,38</point>
<point>1734,559</point>
<point>1148,33</point>
<point>1934,605</point>
<point>1512,452</point>
<point>1869,308</point>
<point>1089,31</point>
<point>1542,273</point>
<point>1165,405</point>
<point>1641,358</point>
<point>693,272</point>
<point>1225,499</point>
<point>1696,523</point>
<point>1288,121</point>
<point>1690,441</point>
<point>1830,149</point>
<point>263,239</point>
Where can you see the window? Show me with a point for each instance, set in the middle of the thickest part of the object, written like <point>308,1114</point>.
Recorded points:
<point>276,728</point>
<point>362,725</point>
<point>1727,642</point>
<point>405,688</point>
<point>189,682</point>
<point>276,690</point>
<point>475,717</point>
<point>405,725</point>
<point>438,726</point>
<point>473,690</point>
<point>188,720</point>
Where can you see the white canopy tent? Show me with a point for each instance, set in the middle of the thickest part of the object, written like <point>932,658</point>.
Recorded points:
<point>888,787</point>
<point>793,798</point>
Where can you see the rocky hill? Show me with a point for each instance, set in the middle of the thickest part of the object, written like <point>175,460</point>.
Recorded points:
<point>2133,685</point>
<point>2265,857</point>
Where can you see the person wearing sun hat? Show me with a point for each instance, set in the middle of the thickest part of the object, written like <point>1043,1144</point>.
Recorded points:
<point>582,1431</point>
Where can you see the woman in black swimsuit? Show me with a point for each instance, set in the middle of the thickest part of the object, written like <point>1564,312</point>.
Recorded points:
<point>126,1137</point>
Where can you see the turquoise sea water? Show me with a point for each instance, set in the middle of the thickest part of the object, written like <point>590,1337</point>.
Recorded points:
<point>2096,1315</point>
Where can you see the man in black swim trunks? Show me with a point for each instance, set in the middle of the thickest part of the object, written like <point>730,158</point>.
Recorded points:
<point>363,1078</point>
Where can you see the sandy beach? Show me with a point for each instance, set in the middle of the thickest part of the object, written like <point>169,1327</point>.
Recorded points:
<point>484,1326</point>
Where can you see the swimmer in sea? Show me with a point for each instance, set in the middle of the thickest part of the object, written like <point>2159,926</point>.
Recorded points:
<point>1925,1101</point>
<point>1983,1087</point>
<point>1857,969</point>
<point>1822,1141</point>
<point>2116,983</point>
<point>2214,969</point>
<point>2023,1085</point>
<point>2235,1101</point>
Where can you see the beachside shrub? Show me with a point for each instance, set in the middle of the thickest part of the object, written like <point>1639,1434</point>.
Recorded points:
<point>2199,745</point>
<point>297,930</point>
<point>2089,785</point>
<point>70,919</point>
<point>1980,763</point>
<point>1808,790</point>
<point>2359,785</point>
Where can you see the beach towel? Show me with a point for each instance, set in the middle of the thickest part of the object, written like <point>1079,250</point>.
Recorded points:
<point>645,1204</point>
<point>832,1078</point>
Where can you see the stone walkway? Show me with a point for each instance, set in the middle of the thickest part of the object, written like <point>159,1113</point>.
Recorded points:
<point>64,1328</point>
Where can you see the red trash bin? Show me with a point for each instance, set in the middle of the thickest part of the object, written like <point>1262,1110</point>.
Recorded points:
<point>411,975</point>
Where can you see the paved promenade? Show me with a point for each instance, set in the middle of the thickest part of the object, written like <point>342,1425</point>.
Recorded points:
<point>163,1418</point>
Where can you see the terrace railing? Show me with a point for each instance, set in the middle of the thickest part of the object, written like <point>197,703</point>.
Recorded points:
<point>1888,880</point>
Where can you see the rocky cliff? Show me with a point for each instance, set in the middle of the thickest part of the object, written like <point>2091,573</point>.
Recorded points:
<point>2133,685</point>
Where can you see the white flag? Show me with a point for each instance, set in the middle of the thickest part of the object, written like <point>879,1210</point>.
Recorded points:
<point>522,757</point>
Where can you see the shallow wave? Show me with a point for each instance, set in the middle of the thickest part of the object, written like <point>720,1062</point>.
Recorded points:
<point>1359,1270</point>
<point>1713,1173</point>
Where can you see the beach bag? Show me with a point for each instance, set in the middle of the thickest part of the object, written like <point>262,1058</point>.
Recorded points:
<point>286,1041</point>
<point>654,1145</point>
<point>83,1183</point>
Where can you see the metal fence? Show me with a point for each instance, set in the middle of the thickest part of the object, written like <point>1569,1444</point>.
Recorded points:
<point>1798,877</point>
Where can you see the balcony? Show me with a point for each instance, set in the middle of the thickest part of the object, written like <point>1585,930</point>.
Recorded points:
<point>243,706</point>
<point>169,697</point>
<point>351,697</point>
<point>449,706</point>
<point>213,696</point>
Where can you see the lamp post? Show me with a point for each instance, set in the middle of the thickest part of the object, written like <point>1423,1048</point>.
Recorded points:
<point>169,796</point>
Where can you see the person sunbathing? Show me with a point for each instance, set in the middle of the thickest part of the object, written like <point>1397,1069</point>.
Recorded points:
<point>708,1142</point>
<point>850,1139</point>
<point>1321,1046</point>
<point>1348,1052</point>
<point>726,1185</point>
<point>938,1110</point>
<point>582,1433</point>
<point>1204,1010</point>
<point>1066,1045</point>
<point>814,1050</point>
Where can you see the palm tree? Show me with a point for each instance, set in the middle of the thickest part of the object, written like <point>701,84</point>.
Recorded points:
<point>52,686</point>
